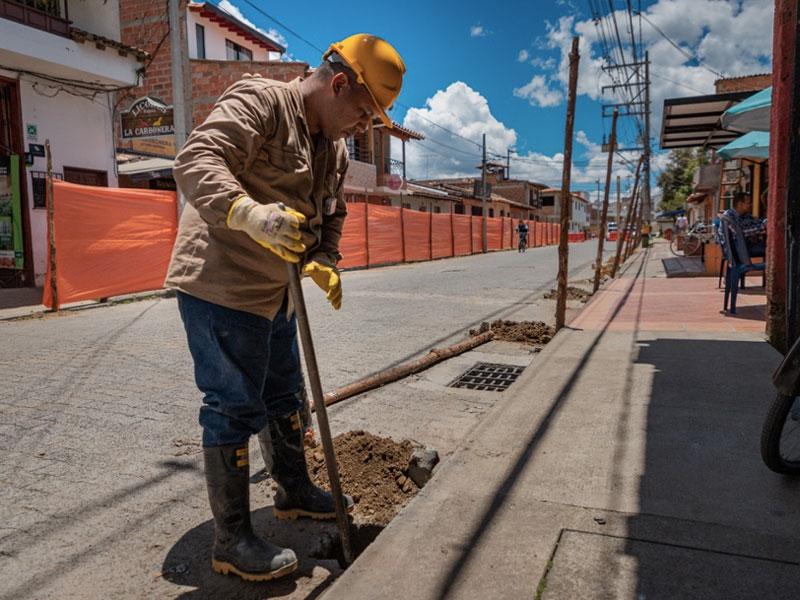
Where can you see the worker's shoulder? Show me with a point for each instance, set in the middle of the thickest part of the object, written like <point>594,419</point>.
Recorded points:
<point>271,89</point>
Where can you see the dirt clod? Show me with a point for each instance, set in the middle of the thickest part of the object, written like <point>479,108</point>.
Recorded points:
<point>373,470</point>
<point>573,293</point>
<point>526,332</point>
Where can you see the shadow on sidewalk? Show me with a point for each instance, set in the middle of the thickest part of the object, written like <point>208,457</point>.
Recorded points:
<point>702,463</point>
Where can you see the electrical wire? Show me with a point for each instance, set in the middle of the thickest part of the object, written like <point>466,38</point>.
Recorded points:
<point>284,26</point>
<point>687,54</point>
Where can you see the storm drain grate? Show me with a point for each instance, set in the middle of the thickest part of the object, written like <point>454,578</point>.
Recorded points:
<point>490,377</point>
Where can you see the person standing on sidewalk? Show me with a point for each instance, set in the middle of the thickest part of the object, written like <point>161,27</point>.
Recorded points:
<point>263,178</point>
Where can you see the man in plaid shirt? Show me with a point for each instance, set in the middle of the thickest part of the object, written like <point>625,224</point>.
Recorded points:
<point>753,228</point>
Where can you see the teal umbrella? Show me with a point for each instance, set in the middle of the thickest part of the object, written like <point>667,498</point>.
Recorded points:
<point>751,114</point>
<point>751,145</point>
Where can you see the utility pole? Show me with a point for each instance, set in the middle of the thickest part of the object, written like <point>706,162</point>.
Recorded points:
<point>181,92</point>
<point>622,232</point>
<point>598,266</point>
<point>566,200</point>
<point>618,203</point>
<point>484,240</point>
<point>647,212</point>
<point>508,163</point>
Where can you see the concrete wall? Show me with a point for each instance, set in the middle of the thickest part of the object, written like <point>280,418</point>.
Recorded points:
<point>215,36</point>
<point>100,17</point>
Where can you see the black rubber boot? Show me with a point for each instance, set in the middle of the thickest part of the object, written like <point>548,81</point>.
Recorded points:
<point>237,549</point>
<point>297,496</point>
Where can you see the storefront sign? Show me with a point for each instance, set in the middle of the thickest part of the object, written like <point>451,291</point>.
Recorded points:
<point>11,253</point>
<point>147,117</point>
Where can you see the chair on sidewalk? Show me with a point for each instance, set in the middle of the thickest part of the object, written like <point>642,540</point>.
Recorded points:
<point>738,260</point>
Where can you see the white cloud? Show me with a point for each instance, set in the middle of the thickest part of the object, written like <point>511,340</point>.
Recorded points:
<point>233,10</point>
<point>547,64</point>
<point>538,92</point>
<point>478,31</point>
<point>523,55</point>
<point>466,113</point>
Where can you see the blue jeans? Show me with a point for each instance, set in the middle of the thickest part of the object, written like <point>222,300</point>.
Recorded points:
<point>247,367</point>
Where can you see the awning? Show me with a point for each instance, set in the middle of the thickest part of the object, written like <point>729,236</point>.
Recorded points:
<point>695,121</point>
<point>751,114</point>
<point>751,145</point>
<point>147,168</point>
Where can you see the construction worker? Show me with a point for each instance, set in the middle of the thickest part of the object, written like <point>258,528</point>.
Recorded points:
<point>263,178</point>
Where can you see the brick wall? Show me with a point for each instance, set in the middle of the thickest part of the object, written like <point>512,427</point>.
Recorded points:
<point>750,83</point>
<point>145,25</point>
<point>212,77</point>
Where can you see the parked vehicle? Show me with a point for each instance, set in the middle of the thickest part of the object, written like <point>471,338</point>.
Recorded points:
<point>611,229</point>
<point>780,436</point>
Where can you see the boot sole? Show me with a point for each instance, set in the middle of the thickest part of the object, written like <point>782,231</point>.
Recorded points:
<point>226,568</point>
<point>296,513</point>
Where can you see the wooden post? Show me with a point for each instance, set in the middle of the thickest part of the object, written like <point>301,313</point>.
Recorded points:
<point>402,230</point>
<point>621,232</point>
<point>366,227</point>
<point>452,232</point>
<point>51,227</point>
<point>430,230</point>
<point>484,201</point>
<point>566,200</point>
<point>637,215</point>
<point>598,267</point>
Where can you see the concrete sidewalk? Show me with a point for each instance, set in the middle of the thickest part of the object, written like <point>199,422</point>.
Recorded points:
<point>623,463</point>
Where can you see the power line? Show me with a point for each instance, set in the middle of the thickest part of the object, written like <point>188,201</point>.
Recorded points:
<point>279,24</point>
<point>687,54</point>
<point>683,85</point>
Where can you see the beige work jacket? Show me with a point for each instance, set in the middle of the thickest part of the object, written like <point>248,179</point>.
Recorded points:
<point>256,142</point>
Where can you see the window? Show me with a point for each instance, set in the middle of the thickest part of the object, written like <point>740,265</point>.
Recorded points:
<point>200,36</point>
<point>437,209</point>
<point>549,201</point>
<point>407,205</point>
<point>39,187</point>
<point>235,52</point>
<point>491,212</point>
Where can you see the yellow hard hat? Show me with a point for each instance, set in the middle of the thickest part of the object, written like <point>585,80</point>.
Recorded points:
<point>377,65</point>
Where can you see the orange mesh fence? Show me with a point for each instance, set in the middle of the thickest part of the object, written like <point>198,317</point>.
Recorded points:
<point>416,234</point>
<point>385,235</point>
<point>442,236</point>
<point>353,244</point>
<point>477,234</point>
<point>110,241</point>
<point>508,234</point>
<point>494,230</point>
<point>462,234</point>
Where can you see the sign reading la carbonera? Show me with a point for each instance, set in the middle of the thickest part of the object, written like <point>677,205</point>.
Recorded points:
<point>147,117</point>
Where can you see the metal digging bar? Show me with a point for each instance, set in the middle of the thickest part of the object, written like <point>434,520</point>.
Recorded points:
<point>304,328</point>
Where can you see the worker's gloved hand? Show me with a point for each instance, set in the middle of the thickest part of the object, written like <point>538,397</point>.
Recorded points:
<point>327,278</point>
<point>274,226</point>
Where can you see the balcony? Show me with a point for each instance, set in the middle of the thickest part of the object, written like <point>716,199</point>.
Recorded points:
<point>392,169</point>
<point>46,15</point>
<point>80,56</point>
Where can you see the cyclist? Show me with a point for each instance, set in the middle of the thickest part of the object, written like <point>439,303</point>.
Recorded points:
<point>522,231</point>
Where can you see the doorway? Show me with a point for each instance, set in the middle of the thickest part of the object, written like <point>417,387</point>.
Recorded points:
<point>16,260</point>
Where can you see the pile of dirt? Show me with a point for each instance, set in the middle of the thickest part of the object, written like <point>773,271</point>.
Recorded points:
<point>573,293</point>
<point>372,469</point>
<point>526,332</point>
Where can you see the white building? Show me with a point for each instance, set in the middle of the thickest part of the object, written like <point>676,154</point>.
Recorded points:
<point>58,69</point>
<point>214,34</point>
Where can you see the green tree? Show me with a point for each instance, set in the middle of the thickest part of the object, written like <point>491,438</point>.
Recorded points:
<point>675,180</point>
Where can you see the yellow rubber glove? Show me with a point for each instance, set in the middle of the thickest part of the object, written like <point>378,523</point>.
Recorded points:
<point>274,226</point>
<point>327,278</point>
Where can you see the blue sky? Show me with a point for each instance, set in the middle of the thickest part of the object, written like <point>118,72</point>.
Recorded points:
<point>500,68</point>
